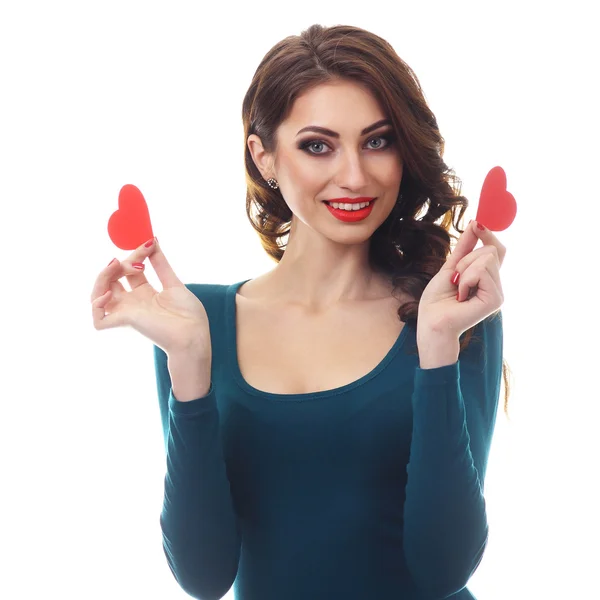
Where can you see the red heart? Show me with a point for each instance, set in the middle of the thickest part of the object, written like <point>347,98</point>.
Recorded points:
<point>129,226</point>
<point>497,207</point>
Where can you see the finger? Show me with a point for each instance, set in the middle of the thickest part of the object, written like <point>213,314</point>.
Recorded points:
<point>107,278</point>
<point>117,291</point>
<point>475,255</point>
<point>134,264</point>
<point>484,275</point>
<point>490,239</point>
<point>466,243</point>
<point>100,318</point>
<point>163,269</point>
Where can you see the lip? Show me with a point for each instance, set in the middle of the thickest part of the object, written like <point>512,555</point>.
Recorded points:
<point>350,200</point>
<point>352,216</point>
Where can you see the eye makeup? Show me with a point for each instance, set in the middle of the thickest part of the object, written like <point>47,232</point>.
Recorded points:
<point>389,138</point>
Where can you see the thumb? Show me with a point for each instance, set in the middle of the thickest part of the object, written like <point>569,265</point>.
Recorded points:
<point>163,269</point>
<point>466,243</point>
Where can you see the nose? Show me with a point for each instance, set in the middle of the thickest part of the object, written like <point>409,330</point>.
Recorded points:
<point>351,172</point>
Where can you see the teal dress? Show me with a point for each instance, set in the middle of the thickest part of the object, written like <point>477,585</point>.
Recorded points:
<point>373,490</point>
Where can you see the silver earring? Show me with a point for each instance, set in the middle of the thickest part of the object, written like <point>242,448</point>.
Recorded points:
<point>273,183</point>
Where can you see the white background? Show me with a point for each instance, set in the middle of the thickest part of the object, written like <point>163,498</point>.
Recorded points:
<point>97,95</point>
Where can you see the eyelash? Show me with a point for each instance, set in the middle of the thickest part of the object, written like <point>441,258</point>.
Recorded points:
<point>389,138</point>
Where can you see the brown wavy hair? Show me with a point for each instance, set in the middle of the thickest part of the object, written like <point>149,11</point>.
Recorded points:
<point>408,249</point>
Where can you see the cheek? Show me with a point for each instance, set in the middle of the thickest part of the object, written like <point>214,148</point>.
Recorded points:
<point>391,174</point>
<point>392,167</point>
<point>303,173</point>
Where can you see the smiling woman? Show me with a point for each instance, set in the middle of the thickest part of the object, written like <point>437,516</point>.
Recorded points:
<point>355,159</point>
<point>336,453</point>
<point>297,79</point>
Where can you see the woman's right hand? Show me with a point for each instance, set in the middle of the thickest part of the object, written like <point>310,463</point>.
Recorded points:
<point>174,319</point>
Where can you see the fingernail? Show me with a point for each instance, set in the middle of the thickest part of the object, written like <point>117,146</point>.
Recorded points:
<point>138,266</point>
<point>149,243</point>
<point>480,226</point>
<point>455,277</point>
<point>470,222</point>
<point>457,294</point>
<point>111,262</point>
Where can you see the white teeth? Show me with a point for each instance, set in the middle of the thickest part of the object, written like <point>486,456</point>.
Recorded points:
<point>349,206</point>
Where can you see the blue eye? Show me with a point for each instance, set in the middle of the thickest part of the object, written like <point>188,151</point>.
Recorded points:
<point>389,141</point>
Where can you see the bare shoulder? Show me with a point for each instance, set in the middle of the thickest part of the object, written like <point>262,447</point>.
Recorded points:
<point>253,289</point>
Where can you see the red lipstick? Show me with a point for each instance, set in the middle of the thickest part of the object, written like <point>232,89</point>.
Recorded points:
<point>350,216</point>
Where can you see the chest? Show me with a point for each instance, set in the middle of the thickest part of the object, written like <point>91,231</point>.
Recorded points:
<point>286,352</point>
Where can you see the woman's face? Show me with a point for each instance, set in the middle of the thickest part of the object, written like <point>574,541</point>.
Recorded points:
<point>346,162</point>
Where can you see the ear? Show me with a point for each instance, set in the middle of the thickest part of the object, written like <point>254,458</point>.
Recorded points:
<point>262,159</point>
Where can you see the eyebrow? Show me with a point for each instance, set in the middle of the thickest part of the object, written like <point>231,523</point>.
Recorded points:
<point>334,134</point>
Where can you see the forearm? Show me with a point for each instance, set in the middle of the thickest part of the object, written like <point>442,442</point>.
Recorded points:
<point>454,405</point>
<point>444,511</point>
<point>201,538</point>
<point>190,376</point>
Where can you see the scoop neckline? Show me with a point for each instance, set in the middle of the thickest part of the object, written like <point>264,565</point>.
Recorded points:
<point>231,333</point>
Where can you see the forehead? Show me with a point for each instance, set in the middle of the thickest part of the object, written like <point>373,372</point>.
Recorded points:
<point>344,106</point>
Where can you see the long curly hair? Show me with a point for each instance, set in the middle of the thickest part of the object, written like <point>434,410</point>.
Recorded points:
<point>410,246</point>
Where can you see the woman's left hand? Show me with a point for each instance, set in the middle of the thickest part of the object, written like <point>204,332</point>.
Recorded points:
<point>479,287</point>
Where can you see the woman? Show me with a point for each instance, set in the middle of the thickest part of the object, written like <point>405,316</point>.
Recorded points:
<point>326,431</point>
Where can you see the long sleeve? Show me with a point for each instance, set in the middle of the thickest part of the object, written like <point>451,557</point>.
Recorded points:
<point>201,536</point>
<point>454,414</point>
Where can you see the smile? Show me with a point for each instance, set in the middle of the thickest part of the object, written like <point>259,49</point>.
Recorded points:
<point>353,214</point>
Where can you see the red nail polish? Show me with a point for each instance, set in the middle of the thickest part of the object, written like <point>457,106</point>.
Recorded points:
<point>480,226</point>
<point>149,243</point>
<point>138,266</point>
<point>455,278</point>
<point>111,262</point>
